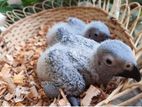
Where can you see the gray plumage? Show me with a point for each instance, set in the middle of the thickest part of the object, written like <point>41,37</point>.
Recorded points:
<point>76,62</point>
<point>76,24</point>
<point>95,30</point>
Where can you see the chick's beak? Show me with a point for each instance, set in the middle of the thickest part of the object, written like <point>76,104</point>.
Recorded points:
<point>106,36</point>
<point>134,73</point>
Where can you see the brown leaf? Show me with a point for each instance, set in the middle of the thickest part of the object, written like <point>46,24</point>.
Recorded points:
<point>90,93</point>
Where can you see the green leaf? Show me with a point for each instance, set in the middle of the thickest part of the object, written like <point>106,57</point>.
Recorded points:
<point>3,3</point>
<point>3,0</point>
<point>29,2</point>
<point>5,9</point>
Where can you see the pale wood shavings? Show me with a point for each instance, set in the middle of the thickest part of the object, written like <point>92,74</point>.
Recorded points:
<point>43,29</point>
<point>19,78</point>
<point>8,96</point>
<point>19,104</point>
<point>9,59</point>
<point>39,103</point>
<point>5,75</point>
<point>20,93</point>
<point>3,88</point>
<point>90,93</point>
<point>64,101</point>
<point>34,92</point>
<point>54,103</point>
<point>5,104</point>
<point>21,86</point>
<point>1,38</point>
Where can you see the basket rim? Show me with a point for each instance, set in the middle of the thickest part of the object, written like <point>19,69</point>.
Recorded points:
<point>110,17</point>
<point>60,8</point>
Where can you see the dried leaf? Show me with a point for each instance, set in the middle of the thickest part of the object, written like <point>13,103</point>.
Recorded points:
<point>90,93</point>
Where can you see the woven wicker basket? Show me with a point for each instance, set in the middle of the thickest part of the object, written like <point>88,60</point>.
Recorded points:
<point>118,18</point>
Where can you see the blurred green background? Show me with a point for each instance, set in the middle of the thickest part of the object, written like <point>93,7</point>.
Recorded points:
<point>4,6</point>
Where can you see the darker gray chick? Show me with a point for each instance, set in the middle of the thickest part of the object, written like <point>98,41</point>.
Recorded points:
<point>96,30</point>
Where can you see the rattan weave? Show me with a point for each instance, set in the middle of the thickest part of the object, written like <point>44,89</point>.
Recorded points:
<point>118,17</point>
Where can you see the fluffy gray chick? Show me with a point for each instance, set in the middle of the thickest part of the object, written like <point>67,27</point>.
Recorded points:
<point>95,30</point>
<point>73,24</point>
<point>76,62</point>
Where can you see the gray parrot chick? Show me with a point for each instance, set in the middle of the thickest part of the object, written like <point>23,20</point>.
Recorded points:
<point>97,31</point>
<point>73,24</point>
<point>77,62</point>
